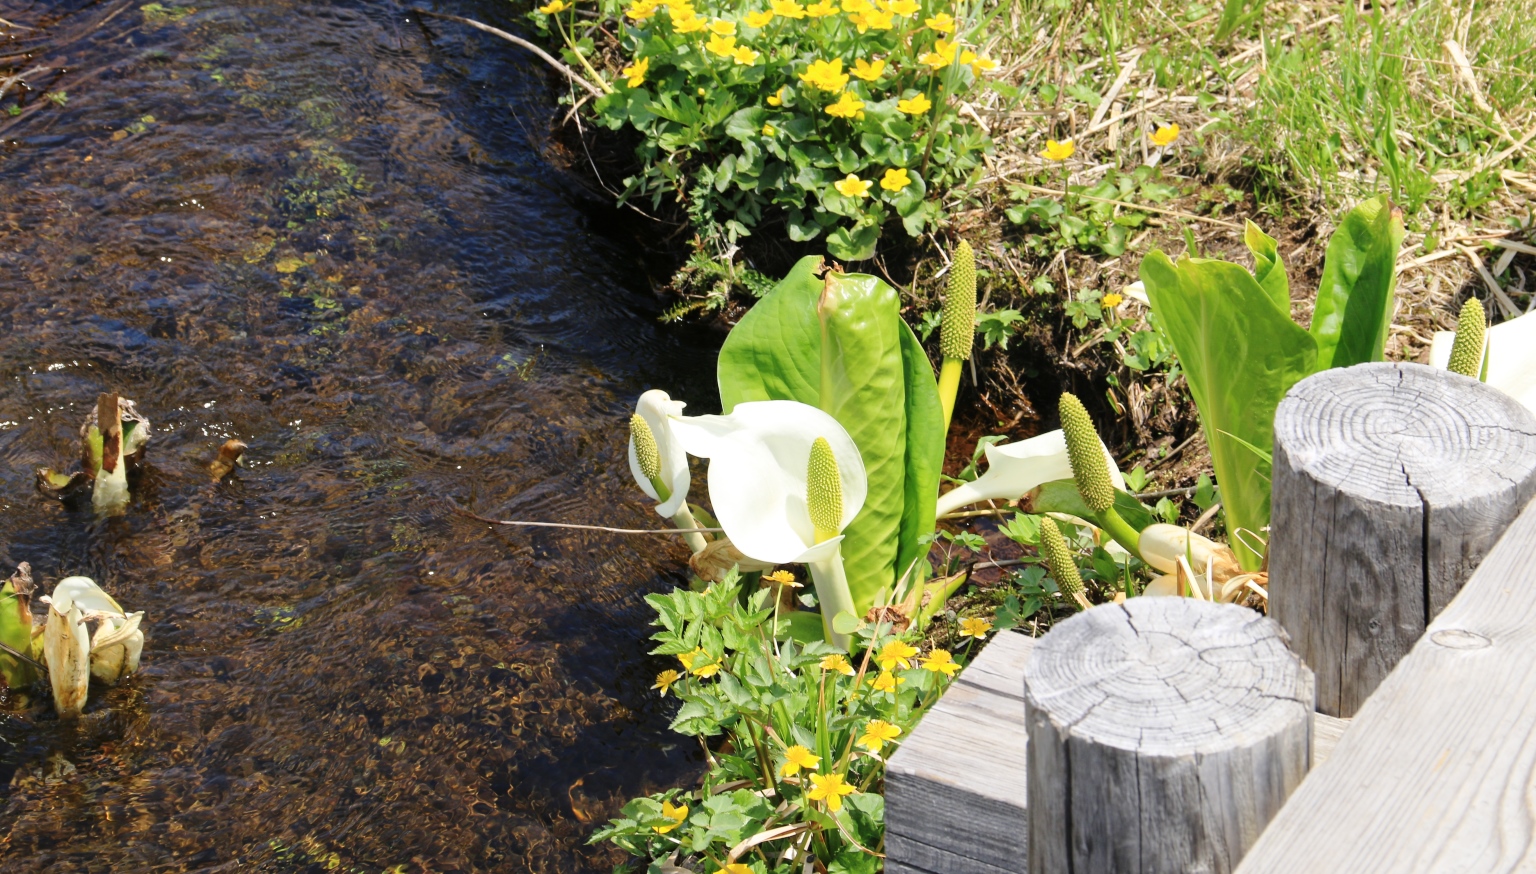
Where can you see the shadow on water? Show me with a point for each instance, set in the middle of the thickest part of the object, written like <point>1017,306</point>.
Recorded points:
<point>326,229</point>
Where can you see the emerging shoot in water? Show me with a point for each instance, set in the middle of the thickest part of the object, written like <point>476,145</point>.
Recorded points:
<point>1090,471</point>
<point>957,331</point>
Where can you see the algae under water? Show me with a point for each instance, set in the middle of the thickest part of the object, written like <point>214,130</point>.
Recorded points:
<point>326,229</point>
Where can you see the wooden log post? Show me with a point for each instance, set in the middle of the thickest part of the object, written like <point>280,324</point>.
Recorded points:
<point>1390,484</point>
<point>1163,734</point>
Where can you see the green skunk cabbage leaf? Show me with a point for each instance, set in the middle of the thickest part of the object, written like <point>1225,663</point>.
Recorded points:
<point>1354,299</point>
<point>1241,354</point>
<point>1268,270</point>
<point>16,633</point>
<point>840,344</point>
<point>1061,496</point>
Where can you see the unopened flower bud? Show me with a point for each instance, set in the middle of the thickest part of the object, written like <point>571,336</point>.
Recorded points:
<point>1089,469</point>
<point>824,491</point>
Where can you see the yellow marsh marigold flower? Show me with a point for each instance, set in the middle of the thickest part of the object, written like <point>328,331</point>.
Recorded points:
<point>869,71</point>
<point>1112,299</point>
<point>721,27</point>
<point>973,627</point>
<point>866,21</point>
<point>821,9</point>
<point>837,662</point>
<point>1055,151</point>
<point>895,652</point>
<point>847,106</point>
<point>784,578</point>
<point>982,65</point>
<point>854,7</point>
<point>678,813</point>
<point>967,57</point>
<point>777,97</point>
<point>788,9</point>
<point>1164,135</point>
<point>877,734</point>
<point>640,10</point>
<point>690,23</point>
<point>916,106</point>
<point>759,19</point>
<point>829,788</point>
<point>744,56</point>
<point>895,179</point>
<point>940,661</point>
<point>769,131</point>
<point>636,72</point>
<point>797,758</point>
<point>724,46</point>
<point>902,7</point>
<point>703,667</point>
<point>554,6</point>
<point>943,55</point>
<point>943,23</point>
<point>665,679</point>
<point>735,868</point>
<point>688,658</point>
<point>887,682</point>
<point>826,75</point>
<point>852,186</point>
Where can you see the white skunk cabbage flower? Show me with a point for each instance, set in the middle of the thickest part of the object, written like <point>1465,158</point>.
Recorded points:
<point>1015,468</point>
<point>1511,357</point>
<point>659,464</point>
<point>785,480</point>
<point>73,655</point>
<point>758,477</point>
<point>1189,564</point>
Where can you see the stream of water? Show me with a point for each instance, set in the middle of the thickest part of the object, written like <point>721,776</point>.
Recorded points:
<point>328,229</point>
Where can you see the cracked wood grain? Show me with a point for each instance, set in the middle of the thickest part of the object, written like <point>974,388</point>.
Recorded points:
<point>1390,483</point>
<point>1163,734</point>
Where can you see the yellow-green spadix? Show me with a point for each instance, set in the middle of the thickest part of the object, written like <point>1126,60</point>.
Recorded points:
<point>1511,357</point>
<point>761,457</point>
<point>74,655</point>
<point>1013,469</point>
<point>1467,349</point>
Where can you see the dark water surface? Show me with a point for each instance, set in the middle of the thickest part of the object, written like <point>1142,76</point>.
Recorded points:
<point>327,229</point>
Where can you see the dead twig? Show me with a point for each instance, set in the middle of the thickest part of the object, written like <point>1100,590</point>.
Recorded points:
<point>519,41</point>
<point>662,531</point>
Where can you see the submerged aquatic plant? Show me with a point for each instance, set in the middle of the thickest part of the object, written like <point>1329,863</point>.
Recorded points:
<point>18,639</point>
<point>108,455</point>
<point>74,655</point>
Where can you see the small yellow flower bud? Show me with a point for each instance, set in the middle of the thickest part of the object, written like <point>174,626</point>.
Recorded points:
<point>1059,557</point>
<point>646,451</point>
<point>1467,351</point>
<point>824,491</point>
<point>1089,469</point>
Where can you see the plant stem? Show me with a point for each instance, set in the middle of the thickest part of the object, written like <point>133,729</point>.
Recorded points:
<point>949,385</point>
<point>685,522</point>
<point>1120,530</point>
<point>833,596</point>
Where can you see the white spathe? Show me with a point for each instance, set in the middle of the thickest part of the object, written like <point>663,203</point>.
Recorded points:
<point>1015,468</point>
<point>1511,357</point>
<point>658,410</point>
<point>73,655</point>
<point>757,476</point>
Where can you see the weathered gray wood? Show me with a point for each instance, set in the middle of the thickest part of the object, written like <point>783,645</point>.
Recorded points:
<point>1438,771</point>
<point>954,791</point>
<point>1326,732</point>
<point>1391,482</point>
<point>1164,733</point>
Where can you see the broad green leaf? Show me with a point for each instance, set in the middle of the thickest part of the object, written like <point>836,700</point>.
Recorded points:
<point>859,362</point>
<point>924,456</point>
<point>1240,354</point>
<point>1268,269</point>
<point>1354,299</point>
<point>1061,496</point>
<point>16,633</point>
